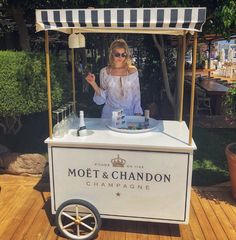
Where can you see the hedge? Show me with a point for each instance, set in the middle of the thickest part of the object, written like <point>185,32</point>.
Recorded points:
<point>23,86</point>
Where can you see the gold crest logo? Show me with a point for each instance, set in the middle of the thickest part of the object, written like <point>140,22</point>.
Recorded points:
<point>118,161</point>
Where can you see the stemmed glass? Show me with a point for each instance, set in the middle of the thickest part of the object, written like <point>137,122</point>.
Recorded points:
<point>62,122</point>
<point>66,121</point>
<point>57,130</point>
<point>75,121</point>
<point>70,117</point>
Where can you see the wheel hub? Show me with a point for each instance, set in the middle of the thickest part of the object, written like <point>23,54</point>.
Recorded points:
<point>78,221</point>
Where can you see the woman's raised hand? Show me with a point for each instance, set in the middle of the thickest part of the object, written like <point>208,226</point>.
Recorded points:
<point>90,78</point>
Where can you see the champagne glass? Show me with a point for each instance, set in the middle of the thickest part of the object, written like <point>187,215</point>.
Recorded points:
<point>70,118</point>
<point>74,115</point>
<point>57,131</point>
<point>66,121</point>
<point>62,122</point>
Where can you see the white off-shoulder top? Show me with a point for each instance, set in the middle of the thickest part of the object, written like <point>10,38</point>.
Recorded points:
<point>119,92</point>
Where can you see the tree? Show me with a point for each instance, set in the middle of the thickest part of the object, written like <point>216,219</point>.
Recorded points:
<point>221,17</point>
<point>22,11</point>
<point>15,9</point>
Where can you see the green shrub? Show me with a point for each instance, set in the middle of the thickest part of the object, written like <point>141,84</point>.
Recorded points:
<point>230,102</point>
<point>23,85</point>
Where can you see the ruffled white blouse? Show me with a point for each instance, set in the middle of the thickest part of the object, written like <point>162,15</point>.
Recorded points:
<point>119,92</point>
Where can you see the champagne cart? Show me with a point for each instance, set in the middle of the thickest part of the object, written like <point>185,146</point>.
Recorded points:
<point>141,176</point>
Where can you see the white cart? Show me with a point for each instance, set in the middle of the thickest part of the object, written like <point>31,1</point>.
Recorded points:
<point>141,177</point>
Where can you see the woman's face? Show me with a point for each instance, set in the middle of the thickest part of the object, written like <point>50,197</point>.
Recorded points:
<point>119,55</point>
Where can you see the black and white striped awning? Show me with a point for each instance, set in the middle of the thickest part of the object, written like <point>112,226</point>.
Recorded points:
<point>126,20</point>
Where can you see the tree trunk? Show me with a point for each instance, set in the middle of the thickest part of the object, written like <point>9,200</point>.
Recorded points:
<point>160,47</point>
<point>18,15</point>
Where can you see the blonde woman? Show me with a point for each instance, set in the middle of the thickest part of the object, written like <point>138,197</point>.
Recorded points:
<point>119,83</point>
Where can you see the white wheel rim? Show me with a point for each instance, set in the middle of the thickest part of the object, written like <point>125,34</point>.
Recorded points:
<point>82,223</point>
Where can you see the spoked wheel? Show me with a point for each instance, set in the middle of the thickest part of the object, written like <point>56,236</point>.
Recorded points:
<point>78,219</point>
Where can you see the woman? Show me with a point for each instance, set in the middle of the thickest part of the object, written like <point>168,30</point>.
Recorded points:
<point>119,83</point>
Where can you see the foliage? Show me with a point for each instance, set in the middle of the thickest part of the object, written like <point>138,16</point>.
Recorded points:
<point>152,72</point>
<point>220,17</point>
<point>23,86</point>
<point>225,18</point>
<point>207,173</point>
<point>230,102</point>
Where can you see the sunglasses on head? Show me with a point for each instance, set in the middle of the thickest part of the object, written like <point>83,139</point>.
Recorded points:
<point>123,55</point>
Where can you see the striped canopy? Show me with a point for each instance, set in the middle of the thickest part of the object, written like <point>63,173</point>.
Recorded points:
<point>174,21</point>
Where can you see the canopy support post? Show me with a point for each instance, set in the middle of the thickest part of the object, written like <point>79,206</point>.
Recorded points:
<point>48,84</point>
<point>73,78</point>
<point>193,88</point>
<point>182,78</point>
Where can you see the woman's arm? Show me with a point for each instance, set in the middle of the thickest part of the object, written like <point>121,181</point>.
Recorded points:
<point>90,78</point>
<point>100,95</point>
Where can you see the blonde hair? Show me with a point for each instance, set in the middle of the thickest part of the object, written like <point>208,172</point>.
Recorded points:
<point>119,43</point>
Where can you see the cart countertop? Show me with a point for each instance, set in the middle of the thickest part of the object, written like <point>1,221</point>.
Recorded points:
<point>169,136</point>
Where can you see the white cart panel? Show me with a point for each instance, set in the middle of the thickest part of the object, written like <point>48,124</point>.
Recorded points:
<point>141,185</point>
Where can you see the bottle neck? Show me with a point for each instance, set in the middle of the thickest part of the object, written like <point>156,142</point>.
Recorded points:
<point>81,122</point>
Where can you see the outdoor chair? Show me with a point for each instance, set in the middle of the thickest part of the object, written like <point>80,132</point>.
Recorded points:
<point>203,102</point>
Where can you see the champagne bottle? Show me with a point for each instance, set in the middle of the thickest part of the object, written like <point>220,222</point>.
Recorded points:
<point>146,118</point>
<point>82,131</point>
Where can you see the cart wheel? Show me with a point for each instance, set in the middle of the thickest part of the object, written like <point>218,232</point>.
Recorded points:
<point>78,219</point>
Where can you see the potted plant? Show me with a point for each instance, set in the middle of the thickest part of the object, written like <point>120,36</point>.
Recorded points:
<point>230,151</point>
